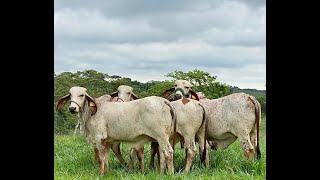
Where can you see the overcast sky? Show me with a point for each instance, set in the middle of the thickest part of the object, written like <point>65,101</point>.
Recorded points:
<point>146,39</point>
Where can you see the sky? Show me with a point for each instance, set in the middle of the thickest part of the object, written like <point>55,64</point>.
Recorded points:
<point>146,39</point>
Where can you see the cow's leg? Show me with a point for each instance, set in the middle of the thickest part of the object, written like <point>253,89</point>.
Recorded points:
<point>96,153</point>
<point>81,128</point>
<point>162,163</point>
<point>117,152</point>
<point>246,145</point>
<point>213,145</point>
<point>200,140</point>
<point>132,158</point>
<point>106,159</point>
<point>101,153</point>
<point>158,156</point>
<point>182,144</point>
<point>140,154</point>
<point>166,156</point>
<point>75,129</point>
<point>103,150</point>
<point>190,153</point>
<point>153,152</point>
<point>137,149</point>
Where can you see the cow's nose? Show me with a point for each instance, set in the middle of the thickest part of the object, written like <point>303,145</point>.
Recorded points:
<point>177,96</point>
<point>72,109</point>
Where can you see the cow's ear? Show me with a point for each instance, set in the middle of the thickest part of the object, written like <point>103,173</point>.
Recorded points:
<point>133,96</point>
<point>62,101</point>
<point>114,94</point>
<point>193,95</point>
<point>167,92</point>
<point>92,105</point>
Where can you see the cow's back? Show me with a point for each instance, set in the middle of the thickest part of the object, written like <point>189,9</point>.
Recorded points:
<point>189,115</point>
<point>127,120</point>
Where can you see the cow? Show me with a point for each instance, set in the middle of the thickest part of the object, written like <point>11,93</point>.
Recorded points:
<point>233,116</point>
<point>135,122</point>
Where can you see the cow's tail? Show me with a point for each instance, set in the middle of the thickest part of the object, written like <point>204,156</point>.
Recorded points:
<point>205,123</point>
<point>257,123</point>
<point>174,118</point>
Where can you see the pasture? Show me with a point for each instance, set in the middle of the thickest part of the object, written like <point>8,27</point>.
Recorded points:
<point>74,159</point>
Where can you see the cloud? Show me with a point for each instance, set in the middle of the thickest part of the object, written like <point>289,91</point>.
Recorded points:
<point>147,39</point>
<point>186,53</point>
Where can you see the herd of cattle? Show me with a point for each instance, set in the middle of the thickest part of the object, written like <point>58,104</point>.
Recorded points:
<point>181,115</point>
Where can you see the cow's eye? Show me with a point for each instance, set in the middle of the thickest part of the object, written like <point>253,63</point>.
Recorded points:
<point>175,85</point>
<point>187,87</point>
<point>81,95</point>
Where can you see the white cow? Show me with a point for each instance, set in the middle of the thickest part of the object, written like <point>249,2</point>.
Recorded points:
<point>191,122</point>
<point>124,93</point>
<point>135,122</point>
<point>191,116</point>
<point>181,89</point>
<point>234,116</point>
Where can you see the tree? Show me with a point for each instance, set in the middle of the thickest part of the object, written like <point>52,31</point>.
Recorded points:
<point>195,77</point>
<point>157,88</point>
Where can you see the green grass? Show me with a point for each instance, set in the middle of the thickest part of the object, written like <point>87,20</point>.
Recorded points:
<point>74,159</point>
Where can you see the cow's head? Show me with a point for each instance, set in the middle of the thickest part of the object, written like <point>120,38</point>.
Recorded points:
<point>124,94</point>
<point>181,89</point>
<point>79,99</point>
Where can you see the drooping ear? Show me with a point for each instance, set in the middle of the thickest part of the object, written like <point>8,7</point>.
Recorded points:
<point>62,101</point>
<point>167,92</point>
<point>133,96</point>
<point>193,95</point>
<point>114,94</point>
<point>92,104</point>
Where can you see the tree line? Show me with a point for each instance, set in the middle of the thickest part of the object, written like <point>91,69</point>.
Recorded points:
<point>98,84</point>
